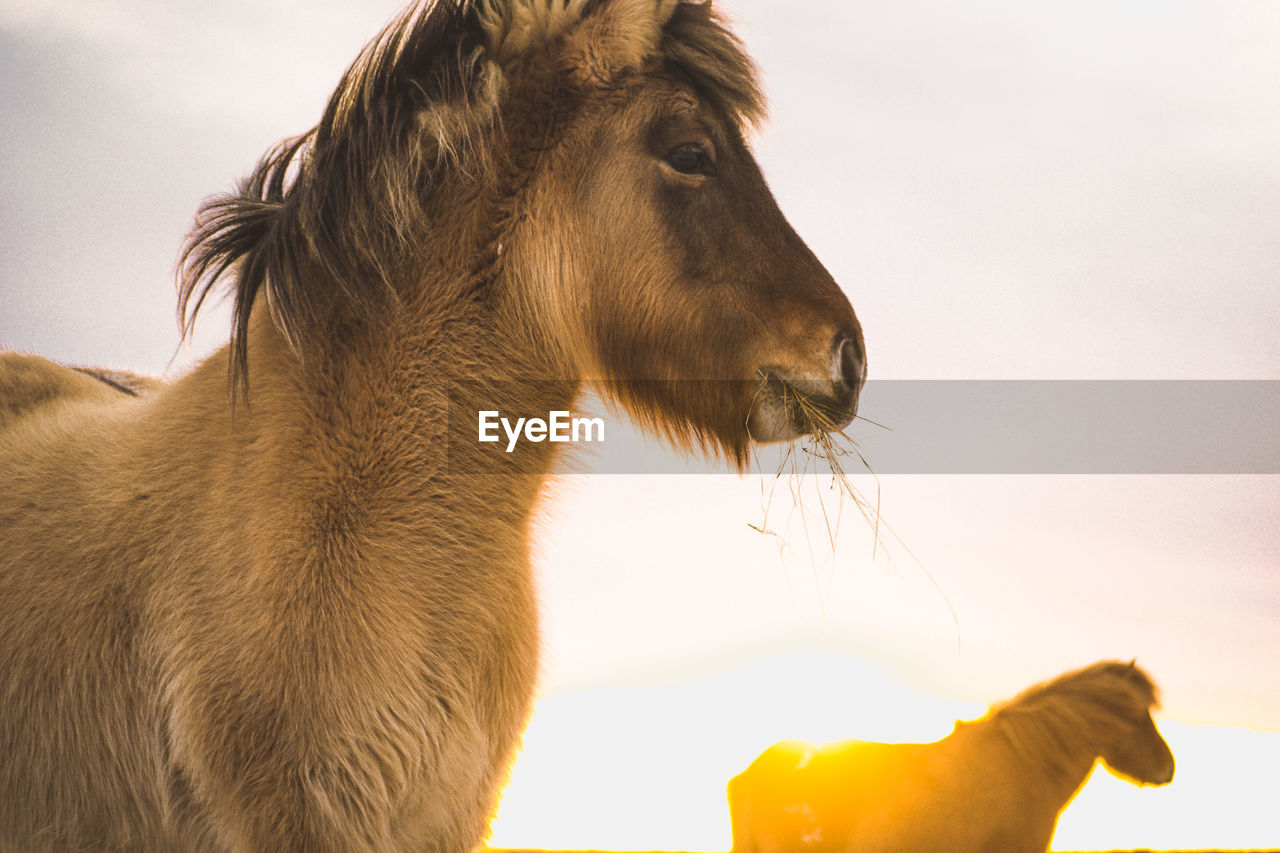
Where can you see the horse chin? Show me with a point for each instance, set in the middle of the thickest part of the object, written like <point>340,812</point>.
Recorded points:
<point>787,409</point>
<point>770,423</point>
<point>1154,778</point>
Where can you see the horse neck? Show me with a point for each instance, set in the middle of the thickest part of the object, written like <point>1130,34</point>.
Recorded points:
<point>1049,745</point>
<point>357,424</point>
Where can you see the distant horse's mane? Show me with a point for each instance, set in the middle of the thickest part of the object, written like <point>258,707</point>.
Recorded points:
<point>328,218</point>
<point>1055,721</point>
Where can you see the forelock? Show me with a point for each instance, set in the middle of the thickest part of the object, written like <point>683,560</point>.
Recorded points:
<point>604,39</point>
<point>515,28</point>
<point>698,42</point>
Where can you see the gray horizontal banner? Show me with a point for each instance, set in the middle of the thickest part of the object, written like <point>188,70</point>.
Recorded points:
<point>943,427</point>
<point>1073,427</point>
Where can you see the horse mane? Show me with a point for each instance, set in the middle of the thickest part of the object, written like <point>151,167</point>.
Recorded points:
<point>328,218</point>
<point>1053,723</point>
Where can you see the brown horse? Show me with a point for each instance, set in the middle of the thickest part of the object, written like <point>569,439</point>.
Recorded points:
<point>285,603</point>
<point>995,785</point>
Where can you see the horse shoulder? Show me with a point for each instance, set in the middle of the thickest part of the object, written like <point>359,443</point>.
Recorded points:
<point>367,757</point>
<point>985,801</point>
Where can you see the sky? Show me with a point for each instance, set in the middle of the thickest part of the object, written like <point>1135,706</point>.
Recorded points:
<point>1005,190</point>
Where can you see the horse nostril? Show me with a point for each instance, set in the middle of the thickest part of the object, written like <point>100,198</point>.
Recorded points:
<point>851,368</point>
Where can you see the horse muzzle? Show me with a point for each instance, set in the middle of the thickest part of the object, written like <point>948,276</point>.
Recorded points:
<point>787,406</point>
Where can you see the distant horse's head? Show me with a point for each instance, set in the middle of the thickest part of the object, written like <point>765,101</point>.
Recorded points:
<point>1102,712</point>
<point>598,148</point>
<point>1139,754</point>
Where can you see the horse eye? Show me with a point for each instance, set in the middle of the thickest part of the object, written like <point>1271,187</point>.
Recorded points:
<point>690,160</point>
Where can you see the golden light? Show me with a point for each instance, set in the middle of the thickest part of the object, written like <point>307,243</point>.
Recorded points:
<point>644,766</point>
<point>836,639</point>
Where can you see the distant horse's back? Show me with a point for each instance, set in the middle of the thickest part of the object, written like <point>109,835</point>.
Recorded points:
<point>798,796</point>
<point>31,382</point>
<point>770,802</point>
<point>68,639</point>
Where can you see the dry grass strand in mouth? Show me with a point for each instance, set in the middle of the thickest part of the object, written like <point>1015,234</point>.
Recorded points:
<point>822,442</point>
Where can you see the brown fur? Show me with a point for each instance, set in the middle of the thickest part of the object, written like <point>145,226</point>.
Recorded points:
<point>996,785</point>
<point>295,612</point>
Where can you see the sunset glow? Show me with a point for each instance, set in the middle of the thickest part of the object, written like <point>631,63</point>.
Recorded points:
<point>644,767</point>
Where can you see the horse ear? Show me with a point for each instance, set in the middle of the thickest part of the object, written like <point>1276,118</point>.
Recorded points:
<point>617,37</point>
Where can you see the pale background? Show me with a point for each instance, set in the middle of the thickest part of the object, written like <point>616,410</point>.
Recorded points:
<point>1004,189</point>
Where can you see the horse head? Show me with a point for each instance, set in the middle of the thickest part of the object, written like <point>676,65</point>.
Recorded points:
<point>580,169</point>
<point>654,250</point>
<point>1139,754</point>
